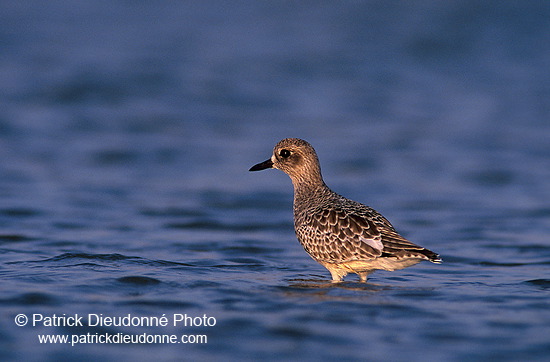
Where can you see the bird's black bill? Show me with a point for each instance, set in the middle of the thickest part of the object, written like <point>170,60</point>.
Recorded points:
<point>262,166</point>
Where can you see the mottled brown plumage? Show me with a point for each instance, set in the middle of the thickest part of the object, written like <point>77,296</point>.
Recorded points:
<point>342,235</point>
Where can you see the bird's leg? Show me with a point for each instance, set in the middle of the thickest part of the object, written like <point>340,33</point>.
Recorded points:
<point>337,275</point>
<point>363,276</point>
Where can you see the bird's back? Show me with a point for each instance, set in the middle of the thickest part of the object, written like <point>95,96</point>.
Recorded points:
<point>334,229</point>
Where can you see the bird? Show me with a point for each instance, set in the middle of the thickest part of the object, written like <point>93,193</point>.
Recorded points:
<point>342,235</point>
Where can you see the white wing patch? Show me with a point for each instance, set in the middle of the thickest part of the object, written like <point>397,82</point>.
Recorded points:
<point>374,243</point>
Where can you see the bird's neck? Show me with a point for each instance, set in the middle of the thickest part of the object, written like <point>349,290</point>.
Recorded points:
<point>306,192</point>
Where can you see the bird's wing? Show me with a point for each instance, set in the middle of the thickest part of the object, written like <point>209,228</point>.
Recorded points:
<point>338,235</point>
<point>396,245</point>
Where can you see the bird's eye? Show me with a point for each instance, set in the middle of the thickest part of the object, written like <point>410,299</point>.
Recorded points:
<point>284,153</point>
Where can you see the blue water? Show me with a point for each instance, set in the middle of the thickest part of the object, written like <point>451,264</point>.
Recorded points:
<point>126,133</point>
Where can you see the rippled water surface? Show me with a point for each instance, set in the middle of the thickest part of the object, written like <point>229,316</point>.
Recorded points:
<point>126,133</point>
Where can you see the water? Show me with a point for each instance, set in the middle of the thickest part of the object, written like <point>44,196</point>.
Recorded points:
<point>126,133</point>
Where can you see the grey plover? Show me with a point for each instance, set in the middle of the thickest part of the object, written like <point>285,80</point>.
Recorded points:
<point>342,235</point>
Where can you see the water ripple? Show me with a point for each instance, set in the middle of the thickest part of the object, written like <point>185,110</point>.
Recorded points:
<point>138,280</point>
<point>14,238</point>
<point>33,298</point>
<point>540,283</point>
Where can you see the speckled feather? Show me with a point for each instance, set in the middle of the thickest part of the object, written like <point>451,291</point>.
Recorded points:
<point>341,234</point>
<point>341,230</point>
